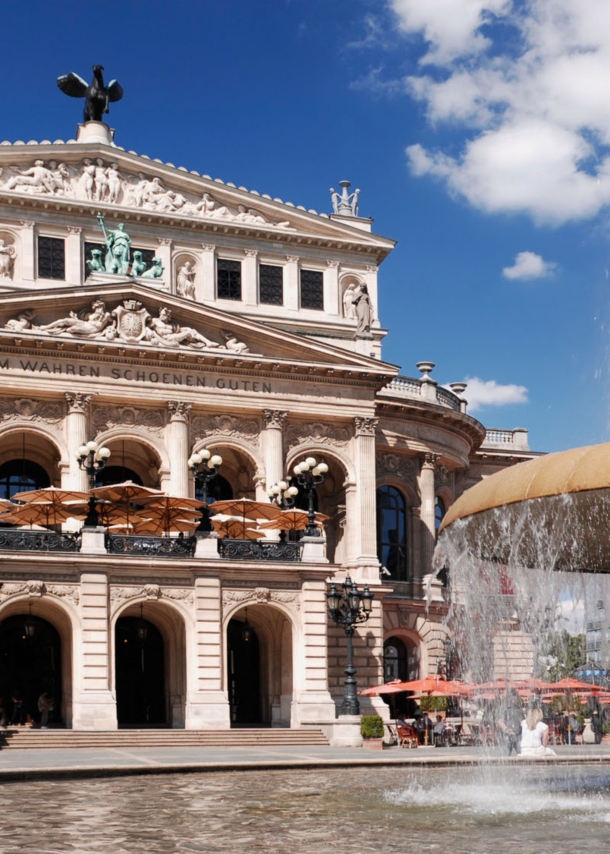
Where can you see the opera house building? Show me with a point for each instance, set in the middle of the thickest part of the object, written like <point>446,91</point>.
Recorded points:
<point>169,342</point>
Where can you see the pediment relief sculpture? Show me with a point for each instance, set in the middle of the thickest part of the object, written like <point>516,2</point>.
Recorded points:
<point>130,322</point>
<point>101,180</point>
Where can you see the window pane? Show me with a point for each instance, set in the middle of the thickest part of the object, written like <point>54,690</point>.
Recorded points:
<point>51,258</point>
<point>21,475</point>
<point>271,284</point>
<point>229,279</point>
<point>392,532</point>
<point>312,289</point>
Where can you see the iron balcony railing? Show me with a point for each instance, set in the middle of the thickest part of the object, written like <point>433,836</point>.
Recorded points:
<point>257,550</point>
<point>118,544</point>
<point>38,541</point>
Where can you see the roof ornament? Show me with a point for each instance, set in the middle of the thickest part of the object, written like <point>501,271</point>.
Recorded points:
<point>345,204</point>
<point>97,96</point>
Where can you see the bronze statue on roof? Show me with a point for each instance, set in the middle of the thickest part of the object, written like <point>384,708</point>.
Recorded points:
<point>97,95</point>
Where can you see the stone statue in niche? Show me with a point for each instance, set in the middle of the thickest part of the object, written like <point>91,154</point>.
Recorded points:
<point>162,331</point>
<point>185,282</point>
<point>88,326</point>
<point>155,271</point>
<point>362,303</point>
<point>349,310</point>
<point>7,257</point>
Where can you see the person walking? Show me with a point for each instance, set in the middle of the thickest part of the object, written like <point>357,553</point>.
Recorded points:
<point>45,707</point>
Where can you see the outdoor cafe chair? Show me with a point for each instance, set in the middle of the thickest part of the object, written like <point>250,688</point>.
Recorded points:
<point>407,736</point>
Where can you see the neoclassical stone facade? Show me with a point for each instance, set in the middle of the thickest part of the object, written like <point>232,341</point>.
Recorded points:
<point>256,337</point>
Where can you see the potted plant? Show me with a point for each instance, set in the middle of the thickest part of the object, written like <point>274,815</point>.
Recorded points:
<point>371,730</point>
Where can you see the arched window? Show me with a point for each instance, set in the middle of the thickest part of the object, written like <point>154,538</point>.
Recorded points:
<point>20,476</point>
<point>392,532</point>
<point>439,512</point>
<point>219,489</point>
<point>395,660</point>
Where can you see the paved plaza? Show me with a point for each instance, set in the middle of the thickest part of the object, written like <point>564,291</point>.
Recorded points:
<point>82,762</point>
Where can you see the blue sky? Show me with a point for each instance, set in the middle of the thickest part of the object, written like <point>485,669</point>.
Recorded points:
<point>477,130</point>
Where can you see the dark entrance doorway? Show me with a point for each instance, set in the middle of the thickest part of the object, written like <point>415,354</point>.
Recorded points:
<point>140,673</point>
<point>30,663</point>
<point>243,674</point>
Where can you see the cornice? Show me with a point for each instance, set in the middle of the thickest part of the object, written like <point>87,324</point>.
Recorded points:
<point>433,414</point>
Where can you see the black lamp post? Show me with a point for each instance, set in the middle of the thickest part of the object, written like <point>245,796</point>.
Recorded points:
<point>310,474</point>
<point>204,468</point>
<point>283,494</point>
<point>347,609</point>
<point>92,459</point>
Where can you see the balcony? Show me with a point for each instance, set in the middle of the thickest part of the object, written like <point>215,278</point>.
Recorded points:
<point>256,550</point>
<point>38,541</point>
<point>507,440</point>
<point>117,544</point>
<point>411,388</point>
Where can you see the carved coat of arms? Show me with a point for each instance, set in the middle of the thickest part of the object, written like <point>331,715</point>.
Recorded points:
<point>131,320</point>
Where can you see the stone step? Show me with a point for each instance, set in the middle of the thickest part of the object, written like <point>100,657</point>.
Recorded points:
<point>65,739</point>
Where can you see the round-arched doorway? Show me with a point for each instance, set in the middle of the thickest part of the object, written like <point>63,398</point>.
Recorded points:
<point>243,665</point>
<point>140,673</point>
<point>30,664</point>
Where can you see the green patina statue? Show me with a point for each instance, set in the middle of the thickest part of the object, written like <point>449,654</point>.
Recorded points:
<point>155,271</point>
<point>95,264</point>
<point>118,245</point>
<point>138,266</point>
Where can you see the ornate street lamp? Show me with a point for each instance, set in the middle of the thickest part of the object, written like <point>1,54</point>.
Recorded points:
<point>92,459</point>
<point>29,625</point>
<point>310,474</point>
<point>347,609</point>
<point>283,494</point>
<point>204,468</point>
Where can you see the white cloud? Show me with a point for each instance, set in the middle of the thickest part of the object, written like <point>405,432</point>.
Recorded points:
<point>528,265</point>
<point>533,106</point>
<point>481,393</point>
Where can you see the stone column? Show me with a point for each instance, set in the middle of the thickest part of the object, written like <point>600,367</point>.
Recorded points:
<point>164,252</point>
<point>249,277</point>
<point>207,705</point>
<point>291,283</point>
<point>28,250</point>
<point>351,549</point>
<point>273,446</point>
<point>205,285</point>
<point>427,515</point>
<point>366,535</point>
<point>94,704</point>
<point>331,288</point>
<point>74,256</point>
<point>76,435</point>
<point>178,446</point>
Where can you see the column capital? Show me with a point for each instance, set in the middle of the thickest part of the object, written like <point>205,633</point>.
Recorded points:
<point>371,268</point>
<point>275,418</point>
<point>429,461</point>
<point>293,258</point>
<point>332,263</point>
<point>74,229</point>
<point>27,223</point>
<point>165,241</point>
<point>209,247</point>
<point>251,253</point>
<point>365,425</point>
<point>77,402</point>
<point>179,410</point>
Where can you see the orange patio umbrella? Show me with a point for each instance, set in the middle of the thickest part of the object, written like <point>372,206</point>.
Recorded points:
<point>126,491</point>
<point>293,520</point>
<point>237,529</point>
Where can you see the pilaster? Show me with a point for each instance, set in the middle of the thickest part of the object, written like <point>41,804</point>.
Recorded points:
<point>74,256</point>
<point>94,703</point>
<point>427,511</point>
<point>205,285</point>
<point>249,277</point>
<point>312,702</point>
<point>291,283</point>
<point>364,455</point>
<point>207,703</point>
<point>164,252</point>
<point>273,445</point>
<point>331,288</point>
<point>28,250</point>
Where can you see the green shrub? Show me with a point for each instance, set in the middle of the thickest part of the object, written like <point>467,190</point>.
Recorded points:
<point>433,704</point>
<point>371,726</point>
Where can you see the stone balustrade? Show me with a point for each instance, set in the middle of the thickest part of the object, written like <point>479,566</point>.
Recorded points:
<point>409,387</point>
<point>507,439</point>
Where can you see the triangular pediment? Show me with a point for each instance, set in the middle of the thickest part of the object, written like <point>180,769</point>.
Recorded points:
<point>85,178</point>
<point>132,319</point>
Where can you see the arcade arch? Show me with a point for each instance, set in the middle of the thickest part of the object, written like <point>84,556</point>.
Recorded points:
<point>26,446</point>
<point>149,664</point>
<point>136,454</point>
<point>259,666</point>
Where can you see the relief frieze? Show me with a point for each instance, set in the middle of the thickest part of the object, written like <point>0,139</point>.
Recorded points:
<point>27,409</point>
